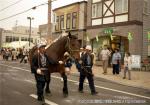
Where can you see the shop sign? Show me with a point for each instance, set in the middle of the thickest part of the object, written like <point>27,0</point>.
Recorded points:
<point>136,61</point>
<point>108,31</point>
<point>130,36</point>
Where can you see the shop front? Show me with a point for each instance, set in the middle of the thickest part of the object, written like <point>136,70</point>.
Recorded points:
<point>116,41</point>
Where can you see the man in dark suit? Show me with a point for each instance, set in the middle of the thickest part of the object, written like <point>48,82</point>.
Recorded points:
<point>39,67</point>
<point>86,71</point>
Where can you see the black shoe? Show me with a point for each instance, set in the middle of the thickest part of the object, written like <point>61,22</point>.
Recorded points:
<point>80,91</point>
<point>94,93</point>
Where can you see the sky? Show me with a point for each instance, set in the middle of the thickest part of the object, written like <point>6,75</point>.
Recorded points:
<point>39,14</point>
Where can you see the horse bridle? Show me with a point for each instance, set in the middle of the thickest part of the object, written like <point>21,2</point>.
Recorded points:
<point>68,47</point>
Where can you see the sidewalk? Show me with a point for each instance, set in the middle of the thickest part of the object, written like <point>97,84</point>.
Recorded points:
<point>139,79</point>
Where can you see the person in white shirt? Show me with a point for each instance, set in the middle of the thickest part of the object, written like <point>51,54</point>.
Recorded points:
<point>104,55</point>
<point>127,65</point>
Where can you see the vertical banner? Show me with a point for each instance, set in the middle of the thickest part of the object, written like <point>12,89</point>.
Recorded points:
<point>130,36</point>
<point>148,34</point>
<point>111,37</point>
<point>97,39</point>
<point>87,38</point>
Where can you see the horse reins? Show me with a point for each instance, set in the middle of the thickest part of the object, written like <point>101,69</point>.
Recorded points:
<point>67,46</point>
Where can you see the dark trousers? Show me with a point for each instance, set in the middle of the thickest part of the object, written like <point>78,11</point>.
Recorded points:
<point>90,80</point>
<point>23,56</point>
<point>115,68</point>
<point>40,84</point>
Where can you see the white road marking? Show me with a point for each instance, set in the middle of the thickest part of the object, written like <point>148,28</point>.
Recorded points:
<point>46,101</point>
<point>15,67</point>
<point>101,87</point>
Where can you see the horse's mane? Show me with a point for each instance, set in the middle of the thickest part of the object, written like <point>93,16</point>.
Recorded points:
<point>59,39</point>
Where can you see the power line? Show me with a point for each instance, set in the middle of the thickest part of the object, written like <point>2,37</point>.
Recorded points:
<point>11,5</point>
<point>23,11</point>
<point>26,10</point>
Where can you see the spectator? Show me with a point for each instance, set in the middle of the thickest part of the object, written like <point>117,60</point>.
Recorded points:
<point>104,55</point>
<point>127,65</point>
<point>116,59</point>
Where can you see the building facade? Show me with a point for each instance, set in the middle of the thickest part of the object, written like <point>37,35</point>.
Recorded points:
<point>70,18</point>
<point>43,30</point>
<point>19,33</point>
<point>122,24</point>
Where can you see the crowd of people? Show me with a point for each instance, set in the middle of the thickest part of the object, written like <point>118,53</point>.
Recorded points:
<point>115,58</point>
<point>14,54</point>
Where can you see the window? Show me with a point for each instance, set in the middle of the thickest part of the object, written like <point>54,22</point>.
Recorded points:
<point>27,39</point>
<point>145,7</point>
<point>62,22</point>
<point>15,38</point>
<point>24,39</point>
<point>109,11</point>
<point>31,39</point>
<point>94,6</point>
<point>8,38</point>
<point>121,6</point>
<point>97,10</point>
<point>57,24</point>
<point>74,20</point>
<point>68,21</point>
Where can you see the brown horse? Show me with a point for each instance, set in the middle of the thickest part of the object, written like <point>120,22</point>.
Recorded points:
<point>56,52</point>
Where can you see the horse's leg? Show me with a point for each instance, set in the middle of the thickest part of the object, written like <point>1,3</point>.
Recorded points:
<point>65,88</point>
<point>48,79</point>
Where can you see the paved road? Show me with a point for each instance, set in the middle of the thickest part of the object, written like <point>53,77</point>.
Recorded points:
<point>17,87</point>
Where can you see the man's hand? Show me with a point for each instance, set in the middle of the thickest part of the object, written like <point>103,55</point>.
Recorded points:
<point>80,61</point>
<point>61,62</point>
<point>39,71</point>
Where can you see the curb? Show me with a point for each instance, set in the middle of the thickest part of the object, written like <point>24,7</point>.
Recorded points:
<point>108,80</point>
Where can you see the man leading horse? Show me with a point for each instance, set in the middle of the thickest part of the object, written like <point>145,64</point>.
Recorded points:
<point>39,67</point>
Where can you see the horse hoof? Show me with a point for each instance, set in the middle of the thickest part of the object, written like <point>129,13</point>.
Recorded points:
<point>65,95</point>
<point>48,91</point>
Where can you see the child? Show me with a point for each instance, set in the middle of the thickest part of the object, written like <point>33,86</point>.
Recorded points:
<point>68,63</point>
<point>127,65</point>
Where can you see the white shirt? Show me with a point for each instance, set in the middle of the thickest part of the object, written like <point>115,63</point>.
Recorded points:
<point>105,53</point>
<point>128,62</point>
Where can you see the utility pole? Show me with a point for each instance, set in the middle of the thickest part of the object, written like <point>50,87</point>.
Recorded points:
<point>30,18</point>
<point>49,19</point>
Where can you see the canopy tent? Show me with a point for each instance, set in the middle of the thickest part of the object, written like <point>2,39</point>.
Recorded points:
<point>6,45</point>
<point>18,44</point>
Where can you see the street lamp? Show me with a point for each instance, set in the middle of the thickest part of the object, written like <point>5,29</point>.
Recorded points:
<point>30,18</point>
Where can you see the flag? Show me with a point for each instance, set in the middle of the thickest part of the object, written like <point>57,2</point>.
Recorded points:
<point>149,35</point>
<point>130,36</point>
<point>97,39</point>
<point>87,38</point>
<point>111,37</point>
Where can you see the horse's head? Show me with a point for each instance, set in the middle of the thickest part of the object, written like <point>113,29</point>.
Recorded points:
<point>73,46</point>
